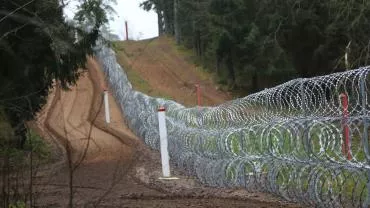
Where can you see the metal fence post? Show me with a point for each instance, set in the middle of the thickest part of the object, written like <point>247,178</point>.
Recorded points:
<point>306,132</point>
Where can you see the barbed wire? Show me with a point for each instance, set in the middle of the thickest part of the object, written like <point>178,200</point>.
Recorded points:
<point>305,140</point>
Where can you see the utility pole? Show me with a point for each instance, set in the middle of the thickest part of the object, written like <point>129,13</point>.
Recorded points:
<point>126,26</point>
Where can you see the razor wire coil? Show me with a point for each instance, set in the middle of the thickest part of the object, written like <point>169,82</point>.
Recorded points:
<point>288,140</point>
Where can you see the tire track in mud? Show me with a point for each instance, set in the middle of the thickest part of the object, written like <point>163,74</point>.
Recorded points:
<point>107,157</point>
<point>119,170</point>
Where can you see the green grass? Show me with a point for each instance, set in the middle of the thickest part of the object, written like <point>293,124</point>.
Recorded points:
<point>138,83</point>
<point>34,143</point>
<point>19,162</point>
<point>37,145</point>
<point>280,139</point>
<point>18,204</point>
<point>348,184</point>
<point>136,80</point>
<point>141,85</point>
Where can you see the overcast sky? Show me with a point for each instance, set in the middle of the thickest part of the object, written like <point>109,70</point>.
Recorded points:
<point>141,24</point>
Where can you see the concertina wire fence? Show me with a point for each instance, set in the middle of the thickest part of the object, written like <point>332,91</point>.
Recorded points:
<point>297,140</point>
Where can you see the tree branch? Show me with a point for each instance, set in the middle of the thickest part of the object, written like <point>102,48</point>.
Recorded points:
<point>19,8</point>
<point>12,31</point>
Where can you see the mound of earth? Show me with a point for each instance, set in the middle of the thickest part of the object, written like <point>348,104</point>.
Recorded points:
<point>107,166</point>
<point>160,68</point>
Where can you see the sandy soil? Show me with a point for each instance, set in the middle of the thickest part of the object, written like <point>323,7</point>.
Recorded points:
<point>112,168</point>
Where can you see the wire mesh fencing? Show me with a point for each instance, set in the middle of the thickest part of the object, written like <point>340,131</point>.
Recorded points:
<point>305,140</point>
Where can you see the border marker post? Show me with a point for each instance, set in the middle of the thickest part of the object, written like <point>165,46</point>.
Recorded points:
<point>106,106</point>
<point>347,140</point>
<point>166,173</point>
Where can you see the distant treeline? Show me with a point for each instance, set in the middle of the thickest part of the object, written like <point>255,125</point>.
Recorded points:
<point>253,44</point>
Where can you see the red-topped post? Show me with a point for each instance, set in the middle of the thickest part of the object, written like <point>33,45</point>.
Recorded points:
<point>347,143</point>
<point>164,143</point>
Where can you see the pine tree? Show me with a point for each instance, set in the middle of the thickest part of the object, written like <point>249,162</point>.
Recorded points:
<point>37,46</point>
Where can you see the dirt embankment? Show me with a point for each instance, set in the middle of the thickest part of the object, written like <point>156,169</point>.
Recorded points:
<point>160,68</point>
<point>112,168</point>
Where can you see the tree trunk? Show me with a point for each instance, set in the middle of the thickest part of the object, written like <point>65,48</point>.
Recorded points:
<point>199,44</point>
<point>5,180</point>
<point>218,64</point>
<point>168,17</point>
<point>176,22</point>
<point>255,86</point>
<point>160,23</point>
<point>31,174</point>
<point>230,67</point>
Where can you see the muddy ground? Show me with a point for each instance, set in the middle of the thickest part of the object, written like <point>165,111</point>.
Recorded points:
<point>111,167</point>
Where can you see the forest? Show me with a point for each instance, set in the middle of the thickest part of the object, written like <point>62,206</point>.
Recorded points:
<point>39,49</point>
<point>249,44</point>
<point>255,44</point>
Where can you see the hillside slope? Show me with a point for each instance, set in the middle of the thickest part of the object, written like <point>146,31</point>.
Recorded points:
<point>159,68</point>
<point>115,168</point>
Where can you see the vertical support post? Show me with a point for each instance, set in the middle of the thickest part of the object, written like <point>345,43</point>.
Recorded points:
<point>199,95</point>
<point>306,130</point>
<point>176,22</point>
<point>303,97</point>
<point>164,143</point>
<point>347,143</point>
<point>106,107</point>
<point>126,26</point>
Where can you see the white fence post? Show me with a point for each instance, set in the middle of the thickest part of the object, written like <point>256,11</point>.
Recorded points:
<point>164,143</point>
<point>106,107</point>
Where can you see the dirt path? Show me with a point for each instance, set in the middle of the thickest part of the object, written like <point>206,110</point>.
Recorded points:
<point>158,68</point>
<point>116,169</point>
